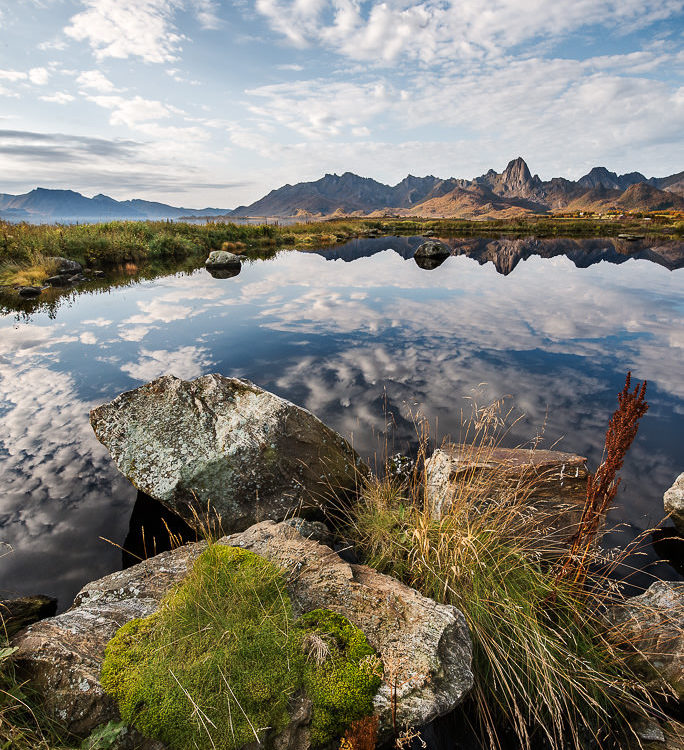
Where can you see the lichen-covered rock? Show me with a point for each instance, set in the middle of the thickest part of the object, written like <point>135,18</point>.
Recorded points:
<point>221,441</point>
<point>552,484</point>
<point>673,501</point>
<point>62,656</point>
<point>432,249</point>
<point>653,625</point>
<point>424,646</point>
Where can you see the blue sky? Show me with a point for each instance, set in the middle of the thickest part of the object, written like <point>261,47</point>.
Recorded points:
<point>204,102</point>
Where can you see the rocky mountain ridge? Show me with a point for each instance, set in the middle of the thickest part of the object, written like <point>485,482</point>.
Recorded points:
<point>514,191</point>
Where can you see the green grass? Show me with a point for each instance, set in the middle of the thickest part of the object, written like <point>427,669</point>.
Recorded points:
<point>217,666</point>
<point>544,665</point>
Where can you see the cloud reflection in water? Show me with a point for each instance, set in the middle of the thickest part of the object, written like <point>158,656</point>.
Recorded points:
<point>346,340</point>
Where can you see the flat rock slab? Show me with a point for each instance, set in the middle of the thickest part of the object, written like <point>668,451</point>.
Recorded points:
<point>227,443</point>
<point>552,482</point>
<point>425,646</point>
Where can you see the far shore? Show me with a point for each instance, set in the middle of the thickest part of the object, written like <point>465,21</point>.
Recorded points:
<point>26,250</point>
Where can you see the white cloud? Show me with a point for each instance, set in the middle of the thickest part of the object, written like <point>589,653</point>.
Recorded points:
<point>39,76</point>
<point>439,31</point>
<point>12,75</point>
<point>137,28</point>
<point>131,112</point>
<point>320,107</point>
<point>88,337</point>
<point>96,80</point>
<point>59,97</point>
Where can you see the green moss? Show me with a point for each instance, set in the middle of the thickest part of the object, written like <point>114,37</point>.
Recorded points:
<point>342,686</point>
<point>220,649</point>
<point>217,665</point>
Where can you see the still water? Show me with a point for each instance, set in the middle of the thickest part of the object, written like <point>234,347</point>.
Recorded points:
<point>360,335</point>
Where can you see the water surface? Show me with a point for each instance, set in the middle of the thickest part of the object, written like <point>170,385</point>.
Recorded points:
<point>361,336</point>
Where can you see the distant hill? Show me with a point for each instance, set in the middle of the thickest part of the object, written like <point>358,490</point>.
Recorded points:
<point>513,192</point>
<point>42,205</point>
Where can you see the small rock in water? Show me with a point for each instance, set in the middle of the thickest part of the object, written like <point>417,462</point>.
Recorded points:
<point>29,291</point>
<point>222,259</point>
<point>58,281</point>
<point>65,267</point>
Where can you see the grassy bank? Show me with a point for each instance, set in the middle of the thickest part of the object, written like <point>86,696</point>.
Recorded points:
<point>26,249</point>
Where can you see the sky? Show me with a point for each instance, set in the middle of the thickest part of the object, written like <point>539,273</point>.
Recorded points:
<point>210,103</point>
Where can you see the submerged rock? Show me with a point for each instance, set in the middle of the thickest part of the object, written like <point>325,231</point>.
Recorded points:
<point>227,443</point>
<point>432,249</point>
<point>222,259</point>
<point>653,625</point>
<point>428,262</point>
<point>221,272</point>
<point>424,646</point>
<point>673,501</point>
<point>552,483</point>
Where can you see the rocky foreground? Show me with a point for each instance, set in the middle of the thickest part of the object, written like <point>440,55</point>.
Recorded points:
<point>261,461</point>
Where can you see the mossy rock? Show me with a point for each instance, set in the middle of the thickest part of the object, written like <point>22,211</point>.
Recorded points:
<point>342,684</point>
<point>220,662</point>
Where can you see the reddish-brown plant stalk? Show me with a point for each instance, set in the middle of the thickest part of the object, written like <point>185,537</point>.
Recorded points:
<point>602,486</point>
<point>362,734</point>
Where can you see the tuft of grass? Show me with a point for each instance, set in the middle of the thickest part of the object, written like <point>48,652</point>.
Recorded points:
<point>544,664</point>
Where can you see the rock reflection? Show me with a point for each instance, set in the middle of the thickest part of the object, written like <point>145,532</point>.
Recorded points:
<point>428,264</point>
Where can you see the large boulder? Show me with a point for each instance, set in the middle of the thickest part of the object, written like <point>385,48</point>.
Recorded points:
<point>673,501</point>
<point>65,266</point>
<point>653,626</point>
<point>424,646</point>
<point>227,443</point>
<point>552,484</point>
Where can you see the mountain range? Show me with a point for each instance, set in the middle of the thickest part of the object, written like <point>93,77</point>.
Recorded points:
<point>513,192</point>
<point>42,205</point>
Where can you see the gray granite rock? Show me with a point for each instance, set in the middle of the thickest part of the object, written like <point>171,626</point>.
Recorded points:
<point>221,441</point>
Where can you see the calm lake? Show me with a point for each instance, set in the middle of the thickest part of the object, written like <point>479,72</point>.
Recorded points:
<point>360,335</point>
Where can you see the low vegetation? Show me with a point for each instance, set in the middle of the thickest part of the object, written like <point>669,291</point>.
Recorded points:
<point>546,670</point>
<point>25,249</point>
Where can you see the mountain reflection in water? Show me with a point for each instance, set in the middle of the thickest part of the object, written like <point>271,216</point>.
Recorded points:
<point>360,343</point>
